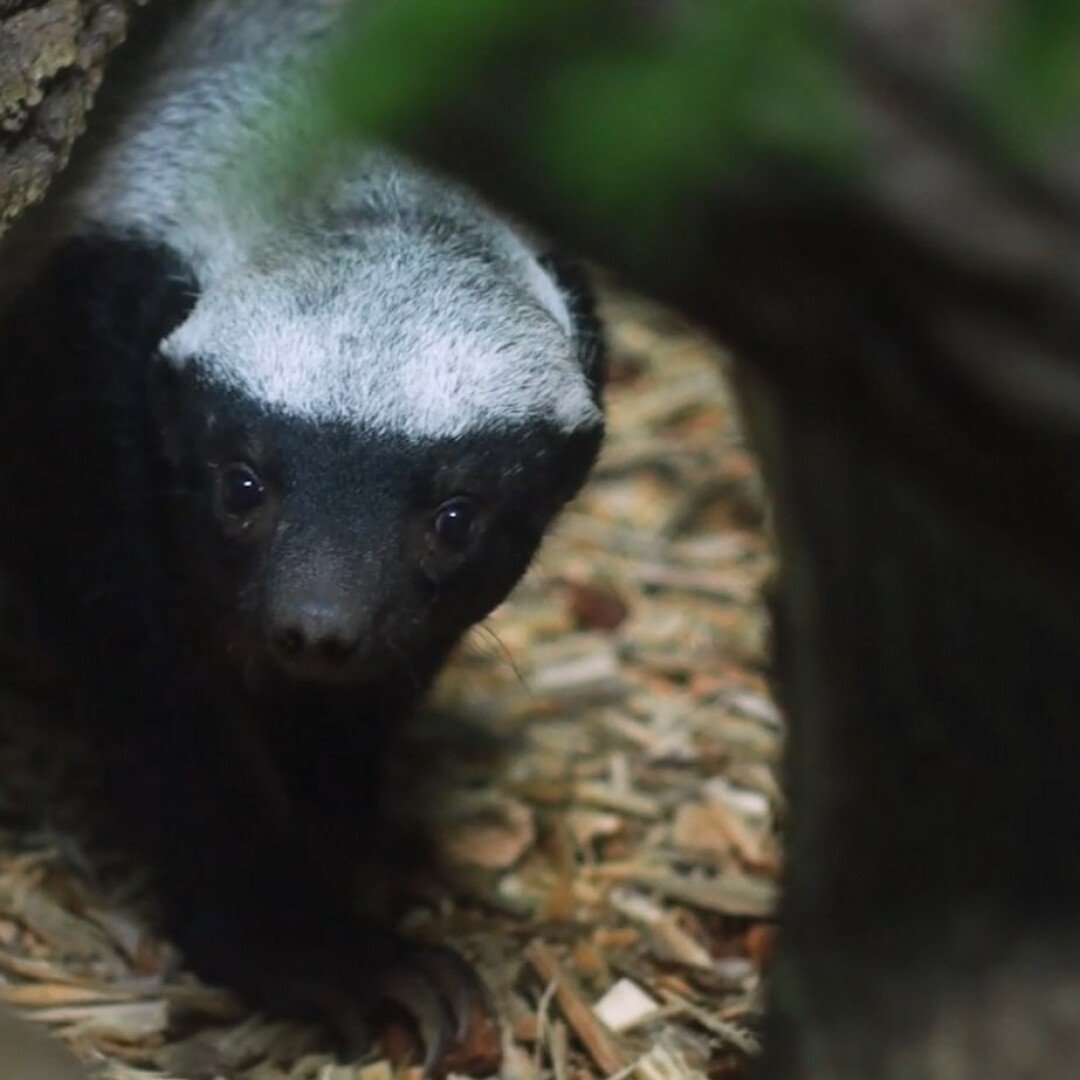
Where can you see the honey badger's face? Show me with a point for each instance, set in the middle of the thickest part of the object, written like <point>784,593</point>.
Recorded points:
<point>336,554</point>
<point>359,492</point>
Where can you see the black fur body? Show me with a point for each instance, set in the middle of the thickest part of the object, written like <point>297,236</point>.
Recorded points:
<point>253,598</point>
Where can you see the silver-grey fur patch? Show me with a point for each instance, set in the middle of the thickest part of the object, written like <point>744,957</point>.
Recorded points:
<point>371,291</point>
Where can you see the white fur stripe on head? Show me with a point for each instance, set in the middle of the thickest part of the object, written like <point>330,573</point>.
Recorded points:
<point>394,334</point>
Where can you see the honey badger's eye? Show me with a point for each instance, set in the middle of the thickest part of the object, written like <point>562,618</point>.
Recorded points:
<point>240,491</point>
<point>454,522</point>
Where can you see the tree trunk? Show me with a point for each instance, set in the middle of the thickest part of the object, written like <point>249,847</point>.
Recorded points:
<point>909,350</point>
<point>52,56</point>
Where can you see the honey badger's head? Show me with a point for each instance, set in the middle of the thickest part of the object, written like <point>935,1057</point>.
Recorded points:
<point>373,428</point>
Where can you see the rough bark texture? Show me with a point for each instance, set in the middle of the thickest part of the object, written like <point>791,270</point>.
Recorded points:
<point>52,55</point>
<point>910,353</point>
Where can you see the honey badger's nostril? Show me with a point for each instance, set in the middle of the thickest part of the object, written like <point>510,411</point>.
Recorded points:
<point>289,641</point>
<point>314,636</point>
<point>335,650</point>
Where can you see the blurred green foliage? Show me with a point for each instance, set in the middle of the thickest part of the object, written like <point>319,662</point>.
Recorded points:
<point>1029,83</point>
<point>671,112</point>
<point>398,60</point>
<point>636,110</point>
<point>607,105</point>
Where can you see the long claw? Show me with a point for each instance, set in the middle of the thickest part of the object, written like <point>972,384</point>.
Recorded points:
<point>409,991</point>
<point>451,1009</point>
<point>460,986</point>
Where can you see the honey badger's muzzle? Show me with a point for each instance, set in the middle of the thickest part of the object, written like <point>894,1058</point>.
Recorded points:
<point>324,611</point>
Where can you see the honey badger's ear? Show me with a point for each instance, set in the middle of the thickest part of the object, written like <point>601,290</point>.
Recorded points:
<point>576,289</point>
<point>100,302</point>
<point>127,290</point>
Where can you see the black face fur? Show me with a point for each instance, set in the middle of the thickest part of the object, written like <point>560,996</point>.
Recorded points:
<point>332,555</point>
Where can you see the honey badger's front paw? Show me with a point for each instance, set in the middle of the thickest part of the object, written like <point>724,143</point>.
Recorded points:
<point>293,957</point>
<point>447,1007</point>
<point>410,1002</point>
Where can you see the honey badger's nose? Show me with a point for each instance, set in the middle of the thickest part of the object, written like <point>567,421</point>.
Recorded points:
<point>314,637</point>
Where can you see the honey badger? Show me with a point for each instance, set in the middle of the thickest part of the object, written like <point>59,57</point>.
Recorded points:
<point>266,452</point>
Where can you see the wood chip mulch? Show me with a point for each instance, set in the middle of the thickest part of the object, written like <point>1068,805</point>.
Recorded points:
<point>605,802</point>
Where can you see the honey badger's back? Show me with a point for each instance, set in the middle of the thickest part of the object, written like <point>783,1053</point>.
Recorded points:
<point>205,92</point>
<point>410,282</point>
<point>291,443</point>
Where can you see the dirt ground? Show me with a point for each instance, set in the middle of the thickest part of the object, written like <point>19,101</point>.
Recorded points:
<point>604,796</point>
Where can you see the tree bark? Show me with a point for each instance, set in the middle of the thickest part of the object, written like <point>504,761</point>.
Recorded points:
<point>909,348</point>
<point>52,56</point>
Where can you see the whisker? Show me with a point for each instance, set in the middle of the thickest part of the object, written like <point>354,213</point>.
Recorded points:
<point>501,650</point>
